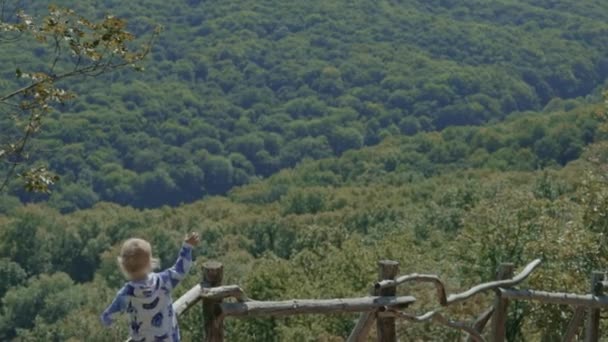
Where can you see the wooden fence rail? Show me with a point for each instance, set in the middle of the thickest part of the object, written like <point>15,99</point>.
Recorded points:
<point>384,307</point>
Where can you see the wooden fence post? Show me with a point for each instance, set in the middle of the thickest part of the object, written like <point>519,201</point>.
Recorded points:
<point>499,319</point>
<point>385,326</point>
<point>593,316</point>
<point>213,272</point>
<point>361,330</point>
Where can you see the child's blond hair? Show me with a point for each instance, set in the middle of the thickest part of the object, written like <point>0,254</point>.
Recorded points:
<point>136,259</point>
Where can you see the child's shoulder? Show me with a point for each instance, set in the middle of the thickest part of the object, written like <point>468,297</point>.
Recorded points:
<point>127,290</point>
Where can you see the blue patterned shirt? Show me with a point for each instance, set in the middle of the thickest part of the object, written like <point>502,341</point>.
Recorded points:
<point>149,304</point>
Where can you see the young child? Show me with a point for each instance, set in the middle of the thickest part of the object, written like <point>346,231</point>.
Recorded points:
<point>147,295</point>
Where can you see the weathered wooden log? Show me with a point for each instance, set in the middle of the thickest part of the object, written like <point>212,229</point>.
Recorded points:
<point>577,319</point>
<point>222,292</point>
<point>213,322</point>
<point>429,278</point>
<point>480,323</point>
<point>494,285</point>
<point>187,300</point>
<point>589,301</point>
<point>437,317</point>
<point>460,297</point>
<point>361,330</point>
<point>385,327</point>
<point>499,319</point>
<point>473,330</point>
<point>364,324</point>
<point>523,275</point>
<point>308,306</point>
<point>593,317</point>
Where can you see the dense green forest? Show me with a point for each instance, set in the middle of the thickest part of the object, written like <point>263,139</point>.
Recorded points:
<point>307,140</point>
<point>236,90</point>
<point>317,231</point>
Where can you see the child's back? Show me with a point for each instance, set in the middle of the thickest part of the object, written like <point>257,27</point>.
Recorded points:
<point>147,300</point>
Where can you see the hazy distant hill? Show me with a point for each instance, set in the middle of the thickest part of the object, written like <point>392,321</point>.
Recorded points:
<point>239,89</point>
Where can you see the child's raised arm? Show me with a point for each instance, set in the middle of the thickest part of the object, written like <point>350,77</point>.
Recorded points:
<point>173,275</point>
<point>117,306</point>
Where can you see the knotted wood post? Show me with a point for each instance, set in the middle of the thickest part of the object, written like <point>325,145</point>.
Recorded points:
<point>385,326</point>
<point>499,319</point>
<point>213,272</point>
<point>592,333</point>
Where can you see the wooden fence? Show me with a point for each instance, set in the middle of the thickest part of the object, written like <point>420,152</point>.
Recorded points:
<point>383,307</point>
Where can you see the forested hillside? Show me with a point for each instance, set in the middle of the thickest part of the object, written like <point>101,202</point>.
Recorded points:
<point>305,140</point>
<point>317,231</point>
<point>236,90</point>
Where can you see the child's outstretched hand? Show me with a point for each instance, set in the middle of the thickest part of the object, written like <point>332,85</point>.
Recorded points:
<point>192,239</point>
